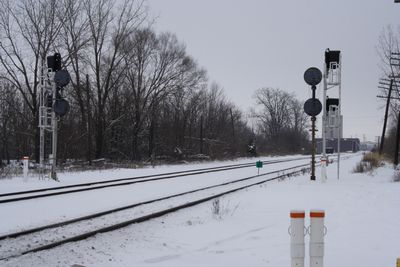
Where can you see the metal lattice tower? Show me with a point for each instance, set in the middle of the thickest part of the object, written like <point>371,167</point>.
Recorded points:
<point>332,120</point>
<point>47,121</point>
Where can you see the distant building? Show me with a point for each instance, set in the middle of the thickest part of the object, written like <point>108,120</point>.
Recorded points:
<point>367,146</point>
<point>346,145</point>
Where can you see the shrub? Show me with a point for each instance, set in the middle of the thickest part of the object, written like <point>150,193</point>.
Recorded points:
<point>396,176</point>
<point>216,207</point>
<point>10,171</point>
<point>220,210</point>
<point>374,159</point>
<point>369,162</point>
<point>360,167</point>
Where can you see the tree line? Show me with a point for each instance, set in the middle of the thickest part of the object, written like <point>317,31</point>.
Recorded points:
<point>388,43</point>
<point>135,94</point>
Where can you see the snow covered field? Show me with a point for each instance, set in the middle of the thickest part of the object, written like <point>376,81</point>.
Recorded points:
<point>362,217</point>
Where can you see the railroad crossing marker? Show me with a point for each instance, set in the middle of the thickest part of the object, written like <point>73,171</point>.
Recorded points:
<point>259,164</point>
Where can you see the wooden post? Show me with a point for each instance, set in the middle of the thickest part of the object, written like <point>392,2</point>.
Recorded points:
<point>386,115</point>
<point>396,153</point>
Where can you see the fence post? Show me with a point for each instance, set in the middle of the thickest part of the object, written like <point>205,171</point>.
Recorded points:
<point>317,233</point>
<point>296,231</point>
<point>25,162</point>
<point>323,168</point>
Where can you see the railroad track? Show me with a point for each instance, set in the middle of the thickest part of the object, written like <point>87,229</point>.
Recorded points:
<point>68,189</point>
<point>52,235</point>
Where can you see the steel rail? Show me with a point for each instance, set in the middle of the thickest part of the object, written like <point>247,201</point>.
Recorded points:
<point>133,180</point>
<point>141,177</point>
<point>149,216</point>
<point>146,217</point>
<point>98,214</point>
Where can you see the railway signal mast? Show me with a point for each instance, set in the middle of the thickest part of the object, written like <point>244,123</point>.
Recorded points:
<point>312,107</point>
<point>332,123</point>
<point>52,106</point>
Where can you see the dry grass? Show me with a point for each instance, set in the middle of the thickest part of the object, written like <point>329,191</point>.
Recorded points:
<point>220,210</point>
<point>374,159</point>
<point>368,163</point>
<point>10,171</point>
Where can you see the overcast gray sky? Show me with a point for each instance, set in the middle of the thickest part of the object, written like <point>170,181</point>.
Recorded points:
<point>249,44</point>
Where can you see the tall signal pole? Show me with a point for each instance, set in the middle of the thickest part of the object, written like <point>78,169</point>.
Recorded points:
<point>324,159</point>
<point>312,107</point>
<point>332,111</point>
<point>54,120</point>
<point>46,115</point>
<point>52,106</point>
<point>340,123</point>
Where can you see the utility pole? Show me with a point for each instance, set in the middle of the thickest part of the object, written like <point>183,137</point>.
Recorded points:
<point>386,116</point>
<point>395,62</point>
<point>396,153</point>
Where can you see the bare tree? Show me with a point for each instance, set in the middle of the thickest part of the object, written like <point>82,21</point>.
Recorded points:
<point>388,43</point>
<point>281,119</point>
<point>388,49</point>
<point>275,113</point>
<point>157,66</point>
<point>75,40</point>
<point>299,118</point>
<point>178,104</point>
<point>14,121</point>
<point>109,28</point>
<point>29,29</point>
<point>134,92</point>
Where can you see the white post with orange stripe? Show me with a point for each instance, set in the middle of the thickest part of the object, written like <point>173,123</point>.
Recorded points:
<point>297,246</point>
<point>25,162</point>
<point>317,233</point>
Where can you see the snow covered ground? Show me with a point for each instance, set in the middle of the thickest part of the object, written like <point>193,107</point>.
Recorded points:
<point>70,178</point>
<point>362,217</point>
<point>37,212</point>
